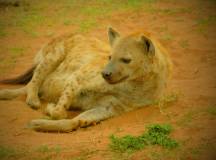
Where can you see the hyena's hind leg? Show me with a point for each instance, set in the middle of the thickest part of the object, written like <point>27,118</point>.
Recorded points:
<point>105,110</point>
<point>49,63</point>
<point>58,111</point>
<point>66,125</point>
<point>7,94</point>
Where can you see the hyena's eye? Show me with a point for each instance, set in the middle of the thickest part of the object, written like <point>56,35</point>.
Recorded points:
<point>109,57</point>
<point>125,60</point>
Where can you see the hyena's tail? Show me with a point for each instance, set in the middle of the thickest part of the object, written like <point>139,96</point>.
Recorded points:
<point>21,79</point>
<point>7,94</point>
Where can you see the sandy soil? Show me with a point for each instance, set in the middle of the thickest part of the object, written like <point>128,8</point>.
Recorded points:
<point>194,79</point>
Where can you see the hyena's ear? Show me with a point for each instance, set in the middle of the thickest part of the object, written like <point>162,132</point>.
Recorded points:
<point>112,35</point>
<point>148,45</point>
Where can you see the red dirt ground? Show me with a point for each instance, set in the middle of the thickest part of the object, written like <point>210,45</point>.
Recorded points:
<point>193,53</point>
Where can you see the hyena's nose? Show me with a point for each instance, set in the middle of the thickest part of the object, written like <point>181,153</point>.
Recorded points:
<point>106,74</point>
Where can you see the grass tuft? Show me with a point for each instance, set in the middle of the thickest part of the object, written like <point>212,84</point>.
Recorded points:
<point>156,135</point>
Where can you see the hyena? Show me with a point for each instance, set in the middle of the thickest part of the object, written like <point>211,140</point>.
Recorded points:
<point>74,71</point>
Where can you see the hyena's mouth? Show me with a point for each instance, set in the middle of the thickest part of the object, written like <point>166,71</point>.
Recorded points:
<point>110,81</point>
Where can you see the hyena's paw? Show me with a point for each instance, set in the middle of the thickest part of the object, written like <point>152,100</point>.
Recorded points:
<point>33,102</point>
<point>49,108</point>
<point>4,94</point>
<point>37,124</point>
<point>56,112</point>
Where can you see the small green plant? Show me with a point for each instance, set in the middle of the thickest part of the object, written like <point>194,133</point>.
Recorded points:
<point>156,135</point>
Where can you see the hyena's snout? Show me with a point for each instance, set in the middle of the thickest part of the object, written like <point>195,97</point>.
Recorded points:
<point>106,74</point>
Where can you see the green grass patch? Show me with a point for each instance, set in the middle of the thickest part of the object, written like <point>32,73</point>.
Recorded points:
<point>3,33</point>
<point>212,110</point>
<point>173,11</point>
<point>139,3</point>
<point>86,25</point>
<point>17,51</point>
<point>29,22</point>
<point>203,23</point>
<point>156,135</point>
<point>207,20</point>
<point>47,149</point>
<point>31,17</point>
<point>6,152</point>
<point>67,22</point>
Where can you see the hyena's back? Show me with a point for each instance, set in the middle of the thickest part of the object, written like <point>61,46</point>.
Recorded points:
<point>83,56</point>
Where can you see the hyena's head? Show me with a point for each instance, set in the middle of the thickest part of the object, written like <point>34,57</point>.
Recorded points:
<point>130,55</point>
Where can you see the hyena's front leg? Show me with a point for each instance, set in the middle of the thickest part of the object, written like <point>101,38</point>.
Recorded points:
<point>52,59</point>
<point>109,108</point>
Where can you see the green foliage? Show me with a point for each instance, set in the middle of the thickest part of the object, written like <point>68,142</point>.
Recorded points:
<point>127,143</point>
<point>156,135</point>
<point>6,152</point>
